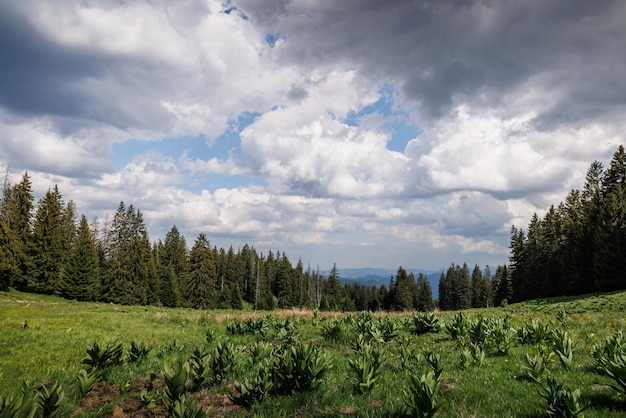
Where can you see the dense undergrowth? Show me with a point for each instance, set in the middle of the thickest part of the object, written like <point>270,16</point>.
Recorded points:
<point>559,357</point>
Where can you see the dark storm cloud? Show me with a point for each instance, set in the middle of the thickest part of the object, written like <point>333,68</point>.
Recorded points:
<point>443,51</point>
<point>77,87</point>
<point>37,76</point>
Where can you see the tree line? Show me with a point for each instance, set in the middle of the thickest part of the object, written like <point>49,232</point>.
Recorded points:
<point>47,248</point>
<point>578,246</point>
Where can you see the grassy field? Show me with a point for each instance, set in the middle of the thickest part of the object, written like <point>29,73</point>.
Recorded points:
<point>482,363</point>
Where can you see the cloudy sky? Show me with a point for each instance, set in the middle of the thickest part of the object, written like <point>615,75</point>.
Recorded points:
<point>363,132</point>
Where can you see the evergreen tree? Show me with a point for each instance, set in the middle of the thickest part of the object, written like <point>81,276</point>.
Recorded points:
<point>444,293</point>
<point>47,249</point>
<point>609,265</point>
<point>504,290</point>
<point>333,292</point>
<point>403,296</point>
<point>19,213</point>
<point>202,275</point>
<point>131,274</point>
<point>425,295</point>
<point>174,259</point>
<point>82,279</point>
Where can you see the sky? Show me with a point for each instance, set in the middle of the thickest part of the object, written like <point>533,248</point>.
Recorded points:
<point>363,133</point>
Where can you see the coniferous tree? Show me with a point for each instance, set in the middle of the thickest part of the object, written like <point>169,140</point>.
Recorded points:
<point>19,213</point>
<point>444,293</point>
<point>333,292</point>
<point>202,275</point>
<point>47,249</point>
<point>403,295</point>
<point>425,295</point>
<point>504,291</point>
<point>173,267</point>
<point>131,274</point>
<point>9,245</point>
<point>609,265</point>
<point>82,278</point>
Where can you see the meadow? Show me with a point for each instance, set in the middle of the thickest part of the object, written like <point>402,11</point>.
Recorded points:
<point>560,357</point>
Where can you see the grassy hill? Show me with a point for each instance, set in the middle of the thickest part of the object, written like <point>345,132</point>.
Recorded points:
<point>44,339</point>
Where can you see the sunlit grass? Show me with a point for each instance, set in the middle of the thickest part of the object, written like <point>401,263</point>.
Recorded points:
<point>45,338</point>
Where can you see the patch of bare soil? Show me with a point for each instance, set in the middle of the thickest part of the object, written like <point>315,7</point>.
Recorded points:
<point>218,404</point>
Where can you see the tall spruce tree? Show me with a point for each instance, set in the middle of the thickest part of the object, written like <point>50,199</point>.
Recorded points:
<point>131,273</point>
<point>425,295</point>
<point>47,249</point>
<point>20,209</point>
<point>82,278</point>
<point>403,296</point>
<point>202,275</point>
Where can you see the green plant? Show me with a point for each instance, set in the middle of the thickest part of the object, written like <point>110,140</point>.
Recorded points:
<point>421,399</point>
<point>183,408</point>
<point>332,330</point>
<point>503,339</point>
<point>175,383</point>
<point>147,399</point>
<point>49,398</point>
<point>534,333</point>
<point>22,405</point>
<point>199,368</point>
<point>300,367</point>
<point>85,381</point>
<point>407,356</point>
<point>615,368</point>
<point>259,386</point>
<point>533,367</point>
<point>562,346</point>
<point>367,366</point>
<point>614,345</point>
<point>224,361</point>
<point>138,351</point>
<point>478,354</point>
<point>479,331</point>
<point>100,358</point>
<point>425,322</point>
<point>458,327</point>
<point>562,402</point>
<point>433,359</point>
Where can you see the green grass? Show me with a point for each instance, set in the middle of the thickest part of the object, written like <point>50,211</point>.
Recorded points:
<point>45,338</point>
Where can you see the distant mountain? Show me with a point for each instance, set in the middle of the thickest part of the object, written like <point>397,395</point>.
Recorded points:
<point>376,277</point>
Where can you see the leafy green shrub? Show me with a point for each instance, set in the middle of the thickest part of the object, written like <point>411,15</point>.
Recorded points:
<point>199,368</point>
<point>425,322</point>
<point>100,358</point>
<point>224,361</point>
<point>407,356</point>
<point>479,331</point>
<point>259,386</point>
<point>615,368</point>
<point>421,399</point>
<point>299,368</point>
<point>534,367</point>
<point>503,339</point>
<point>175,386</point>
<point>85,381</point>
<point>332,330</point>
<point>562,402</point>
<point>49,398</point>
<point>22,405</point>
<point>562,345</point>
<point>614,345</point>
<point>458,327</point>
<point>534,333</point>
<point>367,366</point>
<point>138,351</point>
<point>433,359</point>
